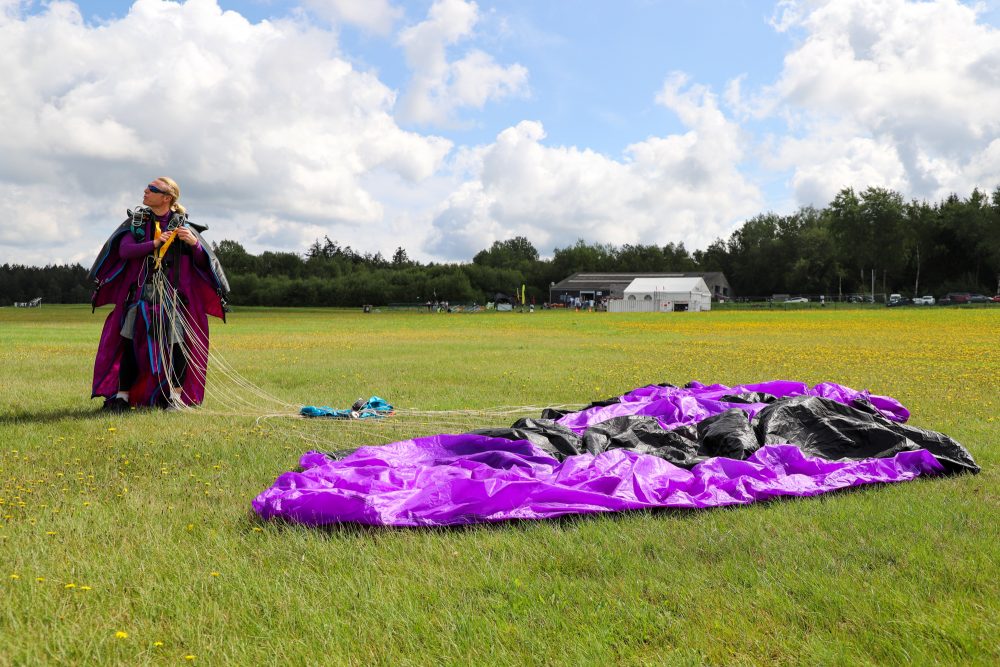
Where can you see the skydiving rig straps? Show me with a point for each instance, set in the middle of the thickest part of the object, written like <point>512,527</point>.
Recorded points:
<point>177,220</point>
<point>138,219</point>
<point>142,215</point>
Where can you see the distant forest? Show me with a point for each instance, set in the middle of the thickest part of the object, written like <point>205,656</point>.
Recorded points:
<point>911,248</point>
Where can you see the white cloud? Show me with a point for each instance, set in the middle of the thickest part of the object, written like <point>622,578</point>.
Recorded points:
<point>257,121</point>
<point>277,139</point>
<point>39,218</point>
<point>892,93</point>
<point>684,187</point>
<point>440,87</point>
<point>376,16</point>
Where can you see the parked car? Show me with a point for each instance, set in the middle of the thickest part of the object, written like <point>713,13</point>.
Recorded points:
<point>899,301</point>
<point>952,298</point>
<point>798,299</point>
<point>996,299</point>
<point>923,301</point>
<point>979,298</point>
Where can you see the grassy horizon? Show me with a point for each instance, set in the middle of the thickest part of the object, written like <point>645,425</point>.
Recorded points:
<point>129,539</point>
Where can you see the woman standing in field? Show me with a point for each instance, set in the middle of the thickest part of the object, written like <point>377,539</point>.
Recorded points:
<point>163,281</point>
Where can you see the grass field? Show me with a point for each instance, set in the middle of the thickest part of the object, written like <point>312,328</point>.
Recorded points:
<point>129,540</point>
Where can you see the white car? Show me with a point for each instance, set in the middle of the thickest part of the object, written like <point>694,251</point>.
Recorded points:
<point>923,301</point>
<point>798,299</point>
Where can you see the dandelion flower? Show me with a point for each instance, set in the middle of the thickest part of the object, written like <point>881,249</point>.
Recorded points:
<point>121,635</point>
<point>84,588</point>
<point>15,576</point>
<point>39,579</point>
<point>215,574</point>
<point>189,657</point>
<point>70,585</point>
<point>157,644</point>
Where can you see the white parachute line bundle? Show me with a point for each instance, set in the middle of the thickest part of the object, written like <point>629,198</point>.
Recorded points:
<point>232,394</point>
<point>244,397</point>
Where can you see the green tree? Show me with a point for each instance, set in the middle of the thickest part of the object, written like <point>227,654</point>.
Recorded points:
<point>883,212</point>
<point>808,244</point>
<point>234,258</point>
<point>280,263</point>
<point>400,259</point>
<point>581,257</point>
<point>757,257</point>
<point>714,258</point>
<point>852,238</point>
<point>515,253</point>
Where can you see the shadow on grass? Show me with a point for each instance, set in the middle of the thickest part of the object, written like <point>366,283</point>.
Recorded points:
<point>53,415</point>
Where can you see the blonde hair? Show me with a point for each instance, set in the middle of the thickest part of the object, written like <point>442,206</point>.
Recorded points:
<point>175,193</point>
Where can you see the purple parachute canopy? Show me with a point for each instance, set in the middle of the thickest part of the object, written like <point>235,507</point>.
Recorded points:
<point>656,446</point>
<point>674,406</point>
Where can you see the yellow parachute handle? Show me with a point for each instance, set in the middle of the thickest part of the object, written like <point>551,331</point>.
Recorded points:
<point>166,244</point>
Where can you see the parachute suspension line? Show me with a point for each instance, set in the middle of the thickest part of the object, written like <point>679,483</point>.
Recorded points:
<point>232,394</point>
<point>197,356</point>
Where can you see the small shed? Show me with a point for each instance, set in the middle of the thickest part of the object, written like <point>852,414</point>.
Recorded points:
<point>670,294</point>
<point>503,303</point>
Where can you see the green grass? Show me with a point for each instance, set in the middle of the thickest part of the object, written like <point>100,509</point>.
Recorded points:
<point>151,511</point>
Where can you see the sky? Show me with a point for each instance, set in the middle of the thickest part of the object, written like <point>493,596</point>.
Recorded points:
<point>441,126</point>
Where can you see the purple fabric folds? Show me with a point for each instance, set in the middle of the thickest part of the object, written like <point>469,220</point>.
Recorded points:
<point>443,480</point>
<point>674,406</point>
<point>460,479</point>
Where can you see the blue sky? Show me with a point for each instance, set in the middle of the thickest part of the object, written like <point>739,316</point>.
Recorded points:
<point>594,66</point>
<point>444,126</point>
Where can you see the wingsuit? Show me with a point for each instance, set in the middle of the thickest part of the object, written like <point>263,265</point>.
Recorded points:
<point>122,275</point>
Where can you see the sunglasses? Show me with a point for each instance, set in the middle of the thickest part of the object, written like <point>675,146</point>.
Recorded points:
<point>153,188</point>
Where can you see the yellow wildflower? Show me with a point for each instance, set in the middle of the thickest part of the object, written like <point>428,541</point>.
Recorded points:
<point>121,635</point>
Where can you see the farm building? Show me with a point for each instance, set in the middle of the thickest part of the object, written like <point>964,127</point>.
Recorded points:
<point>663,295</point>
<point>599,287</point>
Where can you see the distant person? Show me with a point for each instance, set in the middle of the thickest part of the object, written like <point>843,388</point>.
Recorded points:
<point>154,347</point>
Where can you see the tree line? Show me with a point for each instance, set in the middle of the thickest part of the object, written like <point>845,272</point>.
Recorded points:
<point>859,241</point>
